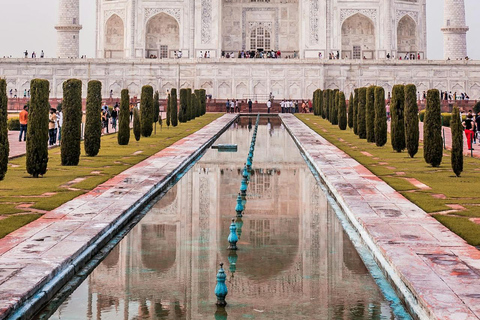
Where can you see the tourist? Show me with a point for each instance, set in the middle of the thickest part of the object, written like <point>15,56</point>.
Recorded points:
<point>227,106</point>
<point>237,106</point>
<point>11,93</point>
<point>115,116</point>
<point>469,126</point>
<point>310,106</point>
<point>26,53</point>
<point>105,116</point>
<point>387,108</point>
<point>269,104</point>
<point>111,94</point>
<point>131,112</point>
<point>42,55</point>
<point>60,124</point>
<point>52,119</point>
<point>23,117</point>
<point>15,93</point>
<point>232,106</point>
<point>250,105</point>
<point>34,55</point>
<point>24,93</point>
<point>282,105</point>
<point>477,126</point>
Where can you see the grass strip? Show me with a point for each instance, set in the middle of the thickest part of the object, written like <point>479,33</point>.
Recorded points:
<point>61,184</point>
<point>396,168</point>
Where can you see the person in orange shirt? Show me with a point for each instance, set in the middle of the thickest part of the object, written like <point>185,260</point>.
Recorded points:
<point>23,123</point>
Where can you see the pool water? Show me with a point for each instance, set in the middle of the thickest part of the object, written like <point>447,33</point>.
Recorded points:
<point>294,261</point>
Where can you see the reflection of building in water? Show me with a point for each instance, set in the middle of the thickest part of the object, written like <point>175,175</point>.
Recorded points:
<point>294,257</point>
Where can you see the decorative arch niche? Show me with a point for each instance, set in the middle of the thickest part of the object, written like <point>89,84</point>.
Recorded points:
<point>358,37</point>
<point>162,36</point>
<point>114,37</point>
<point>407,35</point>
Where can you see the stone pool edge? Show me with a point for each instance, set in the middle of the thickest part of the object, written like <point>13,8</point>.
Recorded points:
<point>411,276</point>
<point>82,226</point>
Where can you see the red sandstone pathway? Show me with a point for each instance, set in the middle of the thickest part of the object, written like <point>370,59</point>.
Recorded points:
<point>33,254</point>
<point>421,256</point>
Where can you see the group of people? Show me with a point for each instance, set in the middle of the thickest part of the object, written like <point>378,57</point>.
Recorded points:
<point>34,55</point>
<point>472,128</point>
<point>268,54</point>
<point>55,123</point>
<point>445,95</point>
<point>109,116</point>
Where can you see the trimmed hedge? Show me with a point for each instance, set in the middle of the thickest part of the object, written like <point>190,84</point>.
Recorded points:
<point>72,122</point>
<point>146,109</point>
<point>350,111</point>
<point>397,130</point>
<point>342,111</point>
<point>137,127</point>
<point>183,112</point>
<point>326,96</point>
<point>13,124</point>
<point>370,114</point>
<point>123,136</point>
<point>203,101</point>
<point>432,130</point>
<point>197,104</point>
<point>37,129</point>
<point>355,111</point>
<point>169,111</point>
<point>174,107</point>
<point>380,117</point>
<point>156,108</point>
<point>361,125</point>
<point>412,135</point>
<point>457,142</point>
<point>93,120</point>
<point>4,144</point>
<point>190,107</point>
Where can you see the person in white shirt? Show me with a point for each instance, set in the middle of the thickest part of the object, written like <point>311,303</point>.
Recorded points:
<point>269,105</point>
<point>59,124</point>
<point>232,106</point>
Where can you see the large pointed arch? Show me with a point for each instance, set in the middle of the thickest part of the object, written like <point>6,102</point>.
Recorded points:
<point>406,36</point>
<point>162,36</point>
<point>358,37</point>
<point>114,37</point>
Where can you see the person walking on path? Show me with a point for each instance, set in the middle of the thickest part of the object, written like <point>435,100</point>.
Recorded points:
<point>114,116</point>
<point>477,125</point>
<point>269,105</point>
<point>23,124</point>
<point>52,119</point>
<point>250,105</point>
<point>469,126</point>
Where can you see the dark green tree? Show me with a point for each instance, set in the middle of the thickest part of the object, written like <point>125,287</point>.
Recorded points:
<point>342,111</point>
<point>156,110</point>
<point>380,117</point>
<point>37,129</point>
<point>326,95</point>
<point>331,102</point>
<point>123,136</point>
<point>190,110</point>
<point>146,109</point>
<point>432,130</point>
<point>72,122</point>
<point>169,110</point>
<point>370,114</point>
<point>411,120</point>
<point>174,107</point>
<point>457,142</point>
<point>4,145</point>
<point>93,121</point>
<point>203,101</point>
<point>397,129</point>
<point>198,103</point>
<point>137,126</point>
<point>355,112</point>
<point>320,103</point>
<point>350,111</point>
<point>335,107</point>
<point>361,125</point>
<point>183,112</point>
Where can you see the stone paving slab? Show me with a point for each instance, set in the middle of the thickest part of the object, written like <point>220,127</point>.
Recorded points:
<point>33,255</point>
<point>420,255</point>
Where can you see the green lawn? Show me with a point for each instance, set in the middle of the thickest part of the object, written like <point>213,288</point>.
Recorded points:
<point>393,168</point>
<point>24,199</point>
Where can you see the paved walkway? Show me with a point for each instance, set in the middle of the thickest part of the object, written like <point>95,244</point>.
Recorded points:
<point>420,255</point>
<point>59,242</point>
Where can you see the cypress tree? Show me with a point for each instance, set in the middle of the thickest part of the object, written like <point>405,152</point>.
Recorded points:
<point>198,104</point>
<point>137,126</point>
<point>182,115</point>
<point>174,108</point>
<point>432,130</point>
<point>314,102</point>
<point>320,103</point>
<point>331,109</point>
<point>342,111</point>
<point>93,121</point>
<point>370,114</point>
<point>146,109</point>
<point>335,107</point>
<point>169,110</point>
<point>355,112</point>
<point>37,129</point>
<point>457,142</point>
<point>156,110</point>
<point>123,136</point>
<point>190,105</point>
<point>203,100</point>
<point>397,131</point>
<point>4,145</point>
<point>72,122</point>
<point>326,95</point>
<point>380,117</point>
<point>361,125</point>
<point>411,120</point>
<point>350,111</point>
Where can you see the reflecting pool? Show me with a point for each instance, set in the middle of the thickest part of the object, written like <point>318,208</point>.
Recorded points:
<point>294,260</point>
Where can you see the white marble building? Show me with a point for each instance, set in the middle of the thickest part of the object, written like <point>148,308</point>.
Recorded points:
<point>354,28</point>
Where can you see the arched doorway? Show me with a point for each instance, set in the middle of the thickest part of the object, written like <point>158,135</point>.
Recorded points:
<point>406,36</point>
<point>358,38</point>
<point>162,36</point>
<point>114,37</point>
<point>260,38</point>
